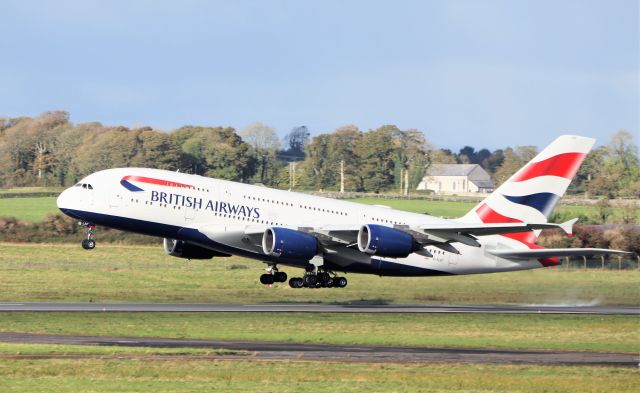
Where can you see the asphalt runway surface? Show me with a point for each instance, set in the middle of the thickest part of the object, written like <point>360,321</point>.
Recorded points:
<point>321,308</point>
<point>262,350</point>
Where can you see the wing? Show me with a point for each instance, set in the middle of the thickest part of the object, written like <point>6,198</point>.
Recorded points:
<point>438,235</point>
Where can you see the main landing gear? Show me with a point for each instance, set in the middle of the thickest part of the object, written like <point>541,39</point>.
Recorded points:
<point>89,229</point>
<point>313,278</point>
<point>320,279</point>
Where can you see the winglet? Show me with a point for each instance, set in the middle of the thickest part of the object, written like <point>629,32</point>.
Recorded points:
<point>567,226</point>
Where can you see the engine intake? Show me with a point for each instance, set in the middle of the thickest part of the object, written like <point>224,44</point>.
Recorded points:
<point>180,249</point>
<point>386,242</point>
<point>289,243</point>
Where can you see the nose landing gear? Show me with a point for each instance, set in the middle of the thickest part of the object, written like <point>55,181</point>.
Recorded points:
<point>89,229</point>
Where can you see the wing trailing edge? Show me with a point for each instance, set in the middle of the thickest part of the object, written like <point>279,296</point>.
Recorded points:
<point>554,252</point>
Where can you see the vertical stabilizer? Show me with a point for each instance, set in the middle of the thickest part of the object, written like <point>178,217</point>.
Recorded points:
<point>531,194</point>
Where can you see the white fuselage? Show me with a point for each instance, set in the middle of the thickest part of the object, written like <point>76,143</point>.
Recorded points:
<point>183,206</point>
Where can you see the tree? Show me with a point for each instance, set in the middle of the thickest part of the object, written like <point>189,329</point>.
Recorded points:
<point>226,155</point>
<point>264,143</point>
<point>588,172</point>
<point>295,142</point>
<point>440,156</point>
<point>318,157</point>
<point>260,136</point>
<point>158,150</point>
<point>114,147</point>
<point>341,150</point>
<point>513,161</point>
<point>375,152</point>
<point>624,155</point>
<point>493,161</point>
<point>614,168</point>
<point>411,147</point>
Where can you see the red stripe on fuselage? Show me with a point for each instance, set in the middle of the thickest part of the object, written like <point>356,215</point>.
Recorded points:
<point>563,165</point>
<point>158,182</point>
<point>490,216</point>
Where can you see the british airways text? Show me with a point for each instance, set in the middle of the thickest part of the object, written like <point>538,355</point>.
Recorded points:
<point>198,203</point>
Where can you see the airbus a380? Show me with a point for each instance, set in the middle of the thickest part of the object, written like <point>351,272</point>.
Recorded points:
<point>202,218</point>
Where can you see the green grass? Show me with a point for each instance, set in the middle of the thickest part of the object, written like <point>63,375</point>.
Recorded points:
<point>28,209</point>
<point>48,272</point>
<point>552,332</point>
<point>95,375</point>
<point>29,190</point>
<point>434,208</point>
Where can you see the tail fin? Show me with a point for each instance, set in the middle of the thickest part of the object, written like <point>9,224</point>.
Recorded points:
<point>531,194</point>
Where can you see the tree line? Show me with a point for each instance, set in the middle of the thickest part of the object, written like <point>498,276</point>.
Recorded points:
<point>50,150</point>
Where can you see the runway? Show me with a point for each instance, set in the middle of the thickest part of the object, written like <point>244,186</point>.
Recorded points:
<point>321,308</point>
<point>262,350</point>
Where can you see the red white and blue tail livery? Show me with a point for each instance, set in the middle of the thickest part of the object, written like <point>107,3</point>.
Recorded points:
<point>202,218</point>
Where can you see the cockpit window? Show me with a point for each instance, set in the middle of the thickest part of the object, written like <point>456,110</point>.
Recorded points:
<point>78,185</point>
<point>89,186</point>
<point>86,186</point>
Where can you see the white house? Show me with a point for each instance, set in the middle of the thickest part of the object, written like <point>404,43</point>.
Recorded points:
<point>456,179</point>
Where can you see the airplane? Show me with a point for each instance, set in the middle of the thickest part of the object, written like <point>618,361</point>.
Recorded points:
<point>203,218</point>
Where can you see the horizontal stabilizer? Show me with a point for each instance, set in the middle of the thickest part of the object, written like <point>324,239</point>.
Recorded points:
<point>554,252</point>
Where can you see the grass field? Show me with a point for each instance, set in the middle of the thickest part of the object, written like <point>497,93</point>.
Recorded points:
<point>197,375</point>
<point>550,332</point>
<point>30,272</point>
<point>29,190</point>
<point>46,272</point>
<point>28,209</point>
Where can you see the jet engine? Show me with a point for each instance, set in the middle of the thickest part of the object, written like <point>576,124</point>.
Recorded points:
<point>289,243</point>
<point>385,242</point>
<point>180,249</point>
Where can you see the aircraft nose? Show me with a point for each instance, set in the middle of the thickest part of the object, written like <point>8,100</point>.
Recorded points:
<point>63,200</point>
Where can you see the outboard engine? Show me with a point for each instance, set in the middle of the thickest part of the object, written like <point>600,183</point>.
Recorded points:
<point>386,242</point>
<point>180,249</point>
<point>289,243</point>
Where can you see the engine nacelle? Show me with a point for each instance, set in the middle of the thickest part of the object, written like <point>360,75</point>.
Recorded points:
<point>180,249</point>
<point>289,243</point>
<point>385,242</point>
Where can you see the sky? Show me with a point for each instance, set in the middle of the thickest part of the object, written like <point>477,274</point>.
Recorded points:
<point>484,73</point>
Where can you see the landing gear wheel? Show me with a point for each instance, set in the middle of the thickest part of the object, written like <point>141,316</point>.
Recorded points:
<point>324,277</point>
<point>267,279</point>
<point>280,277</point>
<point>311,280</point>
<point>88,244</point>
<point>296,282</point>
<point>341,282</point>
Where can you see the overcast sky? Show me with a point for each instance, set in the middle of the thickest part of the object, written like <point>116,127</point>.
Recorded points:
<point>480,73</point>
